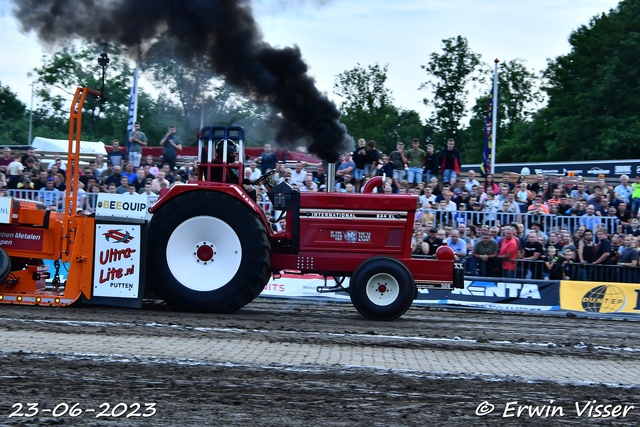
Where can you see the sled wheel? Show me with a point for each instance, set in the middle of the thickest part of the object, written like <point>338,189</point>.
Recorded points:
<point>382,288</point>
<point>207,252</point>
<point>5,265</point>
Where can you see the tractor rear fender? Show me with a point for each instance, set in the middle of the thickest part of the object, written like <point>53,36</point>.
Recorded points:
<point>229,189</point>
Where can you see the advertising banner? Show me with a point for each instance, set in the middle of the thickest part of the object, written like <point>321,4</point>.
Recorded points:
<point>597,297</point>
<point>117,261</point>
<point>499,294</point>
<point>20,238</point>
<point>515,295</point>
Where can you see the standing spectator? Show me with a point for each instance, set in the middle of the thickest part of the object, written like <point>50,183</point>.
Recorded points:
<point>532,252</point>
<point>635,196</point>
<point>398,160</point>
<point>508,251</point>
<point>485,251</point>
<point>552,264</point>
<point>116,155</point>
<point>623,214</point>
<point>431,164</point>
<point>373,157</point>
<point>267,159</point>
<point>415,159</point>
<point>629,259</point>
<point>14,171</point>
<point>137,139</point>
<point>603,251</point>
<point>622,193</point>
<point>586,248</point>
<point>171,144</point>
<point>360,159</point>
<point>450,162</point>
<point>5,160</point>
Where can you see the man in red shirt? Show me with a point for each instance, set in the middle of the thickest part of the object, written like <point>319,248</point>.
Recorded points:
<point>508,251</point>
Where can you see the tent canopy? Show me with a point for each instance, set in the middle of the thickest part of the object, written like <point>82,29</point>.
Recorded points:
<point>62,145</point>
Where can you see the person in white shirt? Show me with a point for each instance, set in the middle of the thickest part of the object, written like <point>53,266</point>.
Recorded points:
<point>298,175</point>
<point>471,180</point>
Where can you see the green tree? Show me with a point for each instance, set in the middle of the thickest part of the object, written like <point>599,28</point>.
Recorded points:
<point>74,66</point>
<point>517,95</point>
<point>453,73</point>
<point>594,91</point>
<point>14,118</point>
<point>368,111</point>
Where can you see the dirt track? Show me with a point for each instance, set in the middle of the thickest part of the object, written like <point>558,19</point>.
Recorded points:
<point>196,392</point>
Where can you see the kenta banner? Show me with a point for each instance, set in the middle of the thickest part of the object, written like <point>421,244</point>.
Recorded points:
<point>499,294</point>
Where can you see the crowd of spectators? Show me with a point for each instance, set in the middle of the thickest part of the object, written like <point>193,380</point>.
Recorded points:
<point>25,176</point>
<point>547,227</point>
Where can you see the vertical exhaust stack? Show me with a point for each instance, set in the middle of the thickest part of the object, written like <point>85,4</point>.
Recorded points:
<point>331,177</point>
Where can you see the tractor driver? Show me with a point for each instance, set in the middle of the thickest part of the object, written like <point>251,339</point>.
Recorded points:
<point>231,174</point>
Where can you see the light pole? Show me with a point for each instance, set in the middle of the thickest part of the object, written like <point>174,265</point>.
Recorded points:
<point>31,114</point>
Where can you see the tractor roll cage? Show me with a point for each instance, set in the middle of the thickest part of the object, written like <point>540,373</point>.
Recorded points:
<point>211,135</point>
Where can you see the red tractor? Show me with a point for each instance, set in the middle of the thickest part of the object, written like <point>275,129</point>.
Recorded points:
<point>210,247</point>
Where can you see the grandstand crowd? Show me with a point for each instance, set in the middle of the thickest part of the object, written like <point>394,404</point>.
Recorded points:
<point>542,227</point>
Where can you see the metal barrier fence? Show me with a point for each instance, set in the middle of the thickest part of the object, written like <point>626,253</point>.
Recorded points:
<point>54,199</point>
<point>527,269</point>
<point>548,222</point>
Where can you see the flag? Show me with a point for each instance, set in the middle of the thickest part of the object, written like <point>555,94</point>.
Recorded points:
<point>133,106</point>
<point>485,167</point>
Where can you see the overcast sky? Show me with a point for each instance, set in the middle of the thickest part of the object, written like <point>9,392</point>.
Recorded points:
<point>335,35</point>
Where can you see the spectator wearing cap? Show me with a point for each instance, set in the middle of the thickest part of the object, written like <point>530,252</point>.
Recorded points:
<point>433,240</point>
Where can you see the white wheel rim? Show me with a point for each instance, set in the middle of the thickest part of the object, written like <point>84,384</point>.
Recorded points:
<point>382,289</point>
<point>195,274</point>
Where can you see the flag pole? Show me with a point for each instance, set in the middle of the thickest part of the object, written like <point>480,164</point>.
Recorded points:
<point>494,120</point>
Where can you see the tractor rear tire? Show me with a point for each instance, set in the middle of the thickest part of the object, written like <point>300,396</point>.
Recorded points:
<point>5,265</point>
<point>207,252</point>
<point>382,288</point>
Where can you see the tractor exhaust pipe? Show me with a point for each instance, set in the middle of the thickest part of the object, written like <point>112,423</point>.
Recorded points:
<point>331,177</point>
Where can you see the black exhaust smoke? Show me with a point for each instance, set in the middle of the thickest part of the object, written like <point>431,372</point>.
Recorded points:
<point>225,32</point>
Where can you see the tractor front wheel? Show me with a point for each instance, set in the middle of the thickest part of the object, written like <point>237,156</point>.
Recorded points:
<point>382,288</point>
